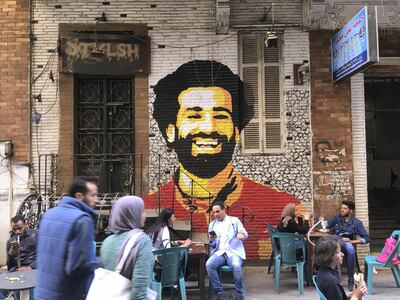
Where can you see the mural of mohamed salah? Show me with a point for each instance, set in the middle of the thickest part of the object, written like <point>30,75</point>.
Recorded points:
<point>200,111</point>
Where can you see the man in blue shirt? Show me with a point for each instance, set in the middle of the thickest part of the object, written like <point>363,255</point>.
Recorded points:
<point>226,234</point>
<point>347,228</point>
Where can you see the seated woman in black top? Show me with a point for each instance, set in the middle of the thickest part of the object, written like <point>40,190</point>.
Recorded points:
<point>328,256</point>
<point>288,221</point>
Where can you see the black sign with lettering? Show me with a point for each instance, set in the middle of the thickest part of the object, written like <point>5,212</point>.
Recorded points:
<point>105,53</point>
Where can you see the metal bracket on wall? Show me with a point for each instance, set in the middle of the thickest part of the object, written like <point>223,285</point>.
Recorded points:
<point>297,76</point>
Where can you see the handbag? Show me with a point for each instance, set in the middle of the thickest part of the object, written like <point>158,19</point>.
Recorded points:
<point>389,247</point>
<point>111,285</point>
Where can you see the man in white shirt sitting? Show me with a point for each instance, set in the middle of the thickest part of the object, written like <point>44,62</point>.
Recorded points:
<point>226,234</point>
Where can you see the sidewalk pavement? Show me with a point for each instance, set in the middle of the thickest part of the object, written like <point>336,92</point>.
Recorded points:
<point>259,286</point>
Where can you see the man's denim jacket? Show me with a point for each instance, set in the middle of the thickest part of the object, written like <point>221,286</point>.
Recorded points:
<point>350,229</point>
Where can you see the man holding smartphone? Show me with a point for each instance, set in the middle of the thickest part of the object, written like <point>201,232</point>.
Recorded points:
<point>21,247</point>
<point>226,235</point>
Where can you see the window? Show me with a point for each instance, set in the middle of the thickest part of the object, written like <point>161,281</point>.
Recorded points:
<point>260,69</point>
<point>105,132</point>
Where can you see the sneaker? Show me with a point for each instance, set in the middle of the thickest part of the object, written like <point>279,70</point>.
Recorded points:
<point>351,285</point>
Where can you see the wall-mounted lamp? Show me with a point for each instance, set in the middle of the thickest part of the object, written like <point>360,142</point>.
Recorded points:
<point>39,98</point>
<point>300,71</point>
<point>98,53</point>
<point>103,18</point>
<point>271,40</point>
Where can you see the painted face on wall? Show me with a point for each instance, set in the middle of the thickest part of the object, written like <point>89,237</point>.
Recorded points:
<point>204,135</point>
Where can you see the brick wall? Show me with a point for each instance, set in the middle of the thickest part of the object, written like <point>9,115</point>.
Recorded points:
<point>191,23</point>
<point>290,172</point>
<point>14,76</point>
<point>251,12</point>
<point>359,154</point>
<point>182,26</point>
<point>67,117</point>
<point>332,132</point>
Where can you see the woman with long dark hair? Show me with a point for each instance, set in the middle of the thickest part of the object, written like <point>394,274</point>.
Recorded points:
<point>159,232</point>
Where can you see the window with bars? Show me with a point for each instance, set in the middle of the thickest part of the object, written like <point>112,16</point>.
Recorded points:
<point>260,69</point>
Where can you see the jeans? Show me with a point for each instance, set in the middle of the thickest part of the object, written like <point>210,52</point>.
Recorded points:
<point>213,265</point>
<point>349,252</point>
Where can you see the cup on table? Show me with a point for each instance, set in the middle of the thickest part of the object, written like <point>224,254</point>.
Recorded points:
<point>324,224</point>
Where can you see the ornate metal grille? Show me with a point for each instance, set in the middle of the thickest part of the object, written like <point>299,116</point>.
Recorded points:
<point>104,144</point>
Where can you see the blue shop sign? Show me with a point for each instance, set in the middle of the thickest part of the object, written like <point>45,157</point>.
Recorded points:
<point>355,46</point>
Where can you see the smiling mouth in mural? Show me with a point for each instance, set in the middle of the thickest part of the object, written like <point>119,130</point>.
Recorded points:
<point>206,146</point>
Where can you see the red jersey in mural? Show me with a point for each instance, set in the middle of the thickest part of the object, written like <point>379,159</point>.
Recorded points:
<point>265,202</point>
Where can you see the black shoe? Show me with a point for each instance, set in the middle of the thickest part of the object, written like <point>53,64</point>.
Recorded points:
<point>239,297</point>
<point>191,277</point>
<point>351,285</point>
<point>222,296</point>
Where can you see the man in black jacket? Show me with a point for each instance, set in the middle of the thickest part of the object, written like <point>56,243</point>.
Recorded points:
<point>21,246</point>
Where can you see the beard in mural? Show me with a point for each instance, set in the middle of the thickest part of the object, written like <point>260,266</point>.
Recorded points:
<point>198,161</point>
<point>201,110</point>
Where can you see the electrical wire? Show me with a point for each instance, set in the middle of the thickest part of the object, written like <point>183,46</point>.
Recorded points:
<point>54,102</point>
<point>47,79</point>
<point>76,34</point>
<point>54,50</point>
<point>37,140</point>
<point>128,34</point>
<point>179,47</point>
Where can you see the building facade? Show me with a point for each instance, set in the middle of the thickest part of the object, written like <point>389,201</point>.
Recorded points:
<point>89,97</point>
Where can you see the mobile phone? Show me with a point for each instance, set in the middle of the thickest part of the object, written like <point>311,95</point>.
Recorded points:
<point>212,233</point>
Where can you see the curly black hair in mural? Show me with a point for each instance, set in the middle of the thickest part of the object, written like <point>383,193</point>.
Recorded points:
<point>199,73</point>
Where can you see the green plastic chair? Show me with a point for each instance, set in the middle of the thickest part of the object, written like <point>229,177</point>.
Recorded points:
<point>173,261</point>
<point>285,254</point>
<point>271,229</point>
<point>370,263</point>
<point>321,296</point>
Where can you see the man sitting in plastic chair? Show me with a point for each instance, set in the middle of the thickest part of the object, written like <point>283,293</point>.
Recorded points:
<point>347,227</point>
<point>226,235</point>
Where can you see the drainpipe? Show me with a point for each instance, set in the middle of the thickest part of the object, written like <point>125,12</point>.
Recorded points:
<point>10,188</point>
<point>30,76</point>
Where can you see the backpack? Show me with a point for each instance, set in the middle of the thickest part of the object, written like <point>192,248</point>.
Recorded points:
<point>390,244</point>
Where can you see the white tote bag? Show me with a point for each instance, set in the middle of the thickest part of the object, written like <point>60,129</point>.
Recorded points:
<point>111,285</point>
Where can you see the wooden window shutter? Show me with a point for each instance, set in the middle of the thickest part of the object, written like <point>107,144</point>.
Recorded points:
<point>261,72</point>
<point>251,139</point>
<point>272,101</point>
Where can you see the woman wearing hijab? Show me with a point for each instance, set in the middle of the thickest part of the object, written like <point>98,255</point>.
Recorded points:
<point>159,232</point>
<point>288,221</point>
<point>127,217</point>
